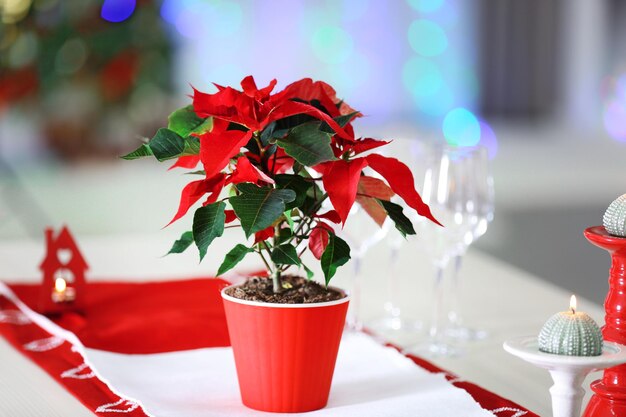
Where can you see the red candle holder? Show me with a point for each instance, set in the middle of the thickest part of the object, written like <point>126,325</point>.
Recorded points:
<point>609,399</point>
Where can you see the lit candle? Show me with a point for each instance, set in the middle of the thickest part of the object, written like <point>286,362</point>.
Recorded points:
<point>62,293</point>
<point>571,333</point>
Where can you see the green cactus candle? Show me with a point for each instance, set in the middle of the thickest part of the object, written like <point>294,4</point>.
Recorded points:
<point>571,333</point>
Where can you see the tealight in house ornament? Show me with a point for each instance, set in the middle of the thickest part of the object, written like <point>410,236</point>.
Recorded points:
<point>63,268</point>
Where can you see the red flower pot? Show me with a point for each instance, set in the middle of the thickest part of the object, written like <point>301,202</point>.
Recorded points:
<point>285,353</point>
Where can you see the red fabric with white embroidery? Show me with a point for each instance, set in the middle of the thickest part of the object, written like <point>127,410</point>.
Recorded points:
<point>156,317</point>
<point>58,358</point>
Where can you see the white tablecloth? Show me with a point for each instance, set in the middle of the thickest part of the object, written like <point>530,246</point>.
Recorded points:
<point>505,301</point>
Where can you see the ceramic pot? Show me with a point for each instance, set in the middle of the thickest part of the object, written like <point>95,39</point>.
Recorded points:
<point>285,353</point>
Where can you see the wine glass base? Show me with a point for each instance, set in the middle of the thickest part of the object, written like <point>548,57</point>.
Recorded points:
<point>395,324</point>
<point>432,349</point>
<point>353,326</point>
<point>466,333</point>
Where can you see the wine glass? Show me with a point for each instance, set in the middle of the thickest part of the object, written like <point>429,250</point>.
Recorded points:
<point>361,233</point>
<point>445,175</point>
<point>482,206</point>
<point>392,320</point>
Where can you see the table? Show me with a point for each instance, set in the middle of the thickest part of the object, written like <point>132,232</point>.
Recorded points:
<point>504,300</point>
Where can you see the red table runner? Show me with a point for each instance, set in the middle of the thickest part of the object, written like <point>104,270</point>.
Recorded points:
<point>151,317</point>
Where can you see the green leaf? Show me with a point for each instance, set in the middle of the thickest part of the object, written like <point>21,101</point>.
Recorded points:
<point>289,122</point>
<point>403,224</point>
<point>336,254</point>
<point>184,121</point>
<point>296,183</point>
<point>309,273</point>
<point>307,144</point>
<point>140,152</point>
<point>287,215</point>
<point>208,223</point>
<point>259,207</point>
<point>312,199</point>
<point>267,133</point>
<point>167,144</point>
<point>192,146</point>
<point>233,257</point>
<point>182,244</point>
<point>285,255</point>
<point>284,235</point>
<point>199,172</point>
<point>204,127</point>
<point>341,121</point>
<point>271,133</point>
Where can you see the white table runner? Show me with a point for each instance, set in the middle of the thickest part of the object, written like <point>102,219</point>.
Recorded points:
<point>370,380</point>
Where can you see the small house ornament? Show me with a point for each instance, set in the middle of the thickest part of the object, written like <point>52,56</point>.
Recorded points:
<point>63,269</point>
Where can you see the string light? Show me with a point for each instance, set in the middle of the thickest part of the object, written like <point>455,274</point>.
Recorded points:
<point>427,38</point>
<point>488,139</point>
<point>461,127</point>
<point>117,10</point>
<point>332,44</point>
<point>12,11</point>
<point>426,6</point>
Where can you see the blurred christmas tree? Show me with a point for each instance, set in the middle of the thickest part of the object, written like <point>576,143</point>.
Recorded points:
<point>91,73</point>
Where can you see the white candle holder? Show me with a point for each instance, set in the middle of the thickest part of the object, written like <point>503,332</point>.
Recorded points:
<point>568,372</point>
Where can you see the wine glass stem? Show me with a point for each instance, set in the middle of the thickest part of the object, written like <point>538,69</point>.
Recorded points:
<point>454,315</point>
<point>354,316</point>
<point>438,305</point>
<point>390,305</point>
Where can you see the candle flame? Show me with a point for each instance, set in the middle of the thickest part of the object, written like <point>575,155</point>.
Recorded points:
<point>572,304</point>
<point>60,285</point>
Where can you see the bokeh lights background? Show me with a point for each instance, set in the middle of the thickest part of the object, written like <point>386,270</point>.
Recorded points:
<point>615,108</point>
<point>414,60</point>
<point>540,83</point>
<point>407,60</point>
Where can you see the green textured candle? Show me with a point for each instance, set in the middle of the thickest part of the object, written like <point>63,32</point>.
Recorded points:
<point>571,333</point>
<point>614,219</point>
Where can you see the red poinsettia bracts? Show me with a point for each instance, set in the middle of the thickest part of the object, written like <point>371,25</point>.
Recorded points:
<point>341,179</point>
<point>370,190</point>
<point>282,155</point>
<point>246,172</point>
<point>195,190</point>
<point>187,161</point>
<point>254,108</point>
<point>319,238</point>
<point>401,181</point>
<point>366,144</point>
<point>219,145</point>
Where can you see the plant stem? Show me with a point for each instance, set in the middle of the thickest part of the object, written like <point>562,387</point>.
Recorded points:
<point>277,286</point>
<point>306,222</point>
<point>274,270</point>
<point>274,163</point>
<point>260,252</point>
<point>257,139</point>
<point>276,278</point>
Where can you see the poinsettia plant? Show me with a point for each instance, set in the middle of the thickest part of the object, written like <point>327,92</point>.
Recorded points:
<point>281,156</point>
